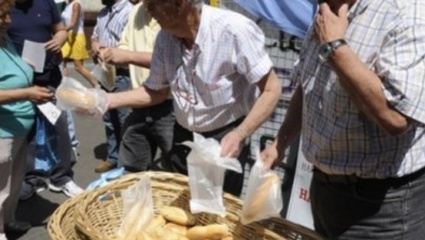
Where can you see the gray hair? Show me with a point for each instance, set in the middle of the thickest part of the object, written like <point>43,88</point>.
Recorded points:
<point>196,3</point>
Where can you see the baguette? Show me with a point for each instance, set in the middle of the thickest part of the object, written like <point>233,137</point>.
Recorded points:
<point>158,222</point>
<point>178,216</point>
<point>211,232</point>
<point>255,205</point>
<point>76,98</point>
<point>179,229</point>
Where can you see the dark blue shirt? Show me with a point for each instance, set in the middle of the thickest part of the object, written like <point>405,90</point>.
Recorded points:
<point>34,20</point>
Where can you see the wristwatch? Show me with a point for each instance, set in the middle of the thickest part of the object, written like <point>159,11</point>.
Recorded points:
<point>327,49</point>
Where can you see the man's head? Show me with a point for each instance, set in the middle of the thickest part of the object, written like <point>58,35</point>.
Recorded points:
<point>108,3</point>
<point>173,15</point>
<point>5,6</point>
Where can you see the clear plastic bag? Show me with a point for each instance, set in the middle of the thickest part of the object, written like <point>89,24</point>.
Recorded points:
<point>73,95</point>
<point>105,75</point>
<point>206,175</point>
<point>137,209</point>
<point>263,198</point>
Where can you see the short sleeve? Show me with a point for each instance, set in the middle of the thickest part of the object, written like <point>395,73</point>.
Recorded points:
<point>252,60</point>
<point>401,65</point>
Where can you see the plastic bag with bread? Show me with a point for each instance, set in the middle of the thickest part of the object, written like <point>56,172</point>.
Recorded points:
<point>73,95</point>
<point>263,198</point>
<point>137,209</point>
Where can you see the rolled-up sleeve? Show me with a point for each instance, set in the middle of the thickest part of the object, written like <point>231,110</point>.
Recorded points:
<point>401,65</point>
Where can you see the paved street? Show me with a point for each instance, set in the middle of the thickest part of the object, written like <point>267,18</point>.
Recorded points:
<point>37,209</point>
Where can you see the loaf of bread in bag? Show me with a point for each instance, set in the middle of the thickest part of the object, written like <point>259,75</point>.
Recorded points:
<point>256,205</point>
<point>178,216</point>
<point>211,232</point>
<point>76,98</point>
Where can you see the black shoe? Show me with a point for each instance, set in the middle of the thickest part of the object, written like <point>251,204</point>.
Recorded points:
<point>17,227</point>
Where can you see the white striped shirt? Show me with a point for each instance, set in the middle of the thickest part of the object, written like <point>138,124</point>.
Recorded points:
<point>388,37</point>
<point>111,22</point>
<point>217,84</point>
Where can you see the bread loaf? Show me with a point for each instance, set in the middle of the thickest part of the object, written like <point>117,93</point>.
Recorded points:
<point>211,232</point>
<point>178,216</point>
<point>76,98</point>
<point>255,205</point>
<point>158,222</point>
<point>143,236</point>
<point>179,229</point>
<point>162,234</point>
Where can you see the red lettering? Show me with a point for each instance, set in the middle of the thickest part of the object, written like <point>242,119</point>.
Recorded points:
<point>304,195</point>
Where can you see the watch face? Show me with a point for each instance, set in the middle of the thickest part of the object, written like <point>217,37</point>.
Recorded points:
<point>324,52</point>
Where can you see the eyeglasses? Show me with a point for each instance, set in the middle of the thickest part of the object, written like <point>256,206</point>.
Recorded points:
<point>183,93</point>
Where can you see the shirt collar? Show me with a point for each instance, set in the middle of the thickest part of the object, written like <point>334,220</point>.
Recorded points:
<point>358,7</point>
<point>118,6</point>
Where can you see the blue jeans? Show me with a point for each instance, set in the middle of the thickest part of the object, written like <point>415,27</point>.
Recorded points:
<point>114,120</point>
<point>71,129</point>
<point>369,208</point>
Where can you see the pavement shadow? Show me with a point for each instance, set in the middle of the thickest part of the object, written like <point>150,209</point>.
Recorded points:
<point>35,210</point>
<point>101,151</point>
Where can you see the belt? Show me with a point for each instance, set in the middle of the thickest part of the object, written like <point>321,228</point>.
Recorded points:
<point>352,179</point>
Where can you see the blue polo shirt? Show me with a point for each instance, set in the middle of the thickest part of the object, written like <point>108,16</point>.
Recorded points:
<point>34,20</point>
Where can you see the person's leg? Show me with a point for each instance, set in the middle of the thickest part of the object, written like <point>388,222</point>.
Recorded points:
<point>135,153</point>
<point>19,154</point>
<point>162,129</point>
<point>369,210</point>
<point>114,120</point>
<point>5,177</point>
<point>73,136</point>
<point>81,69</point>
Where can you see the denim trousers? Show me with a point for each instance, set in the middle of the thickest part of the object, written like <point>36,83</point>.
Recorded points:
<point>145,130</point>
<point>233,181</point>
<point>391,208</point>
<point>114,120</point>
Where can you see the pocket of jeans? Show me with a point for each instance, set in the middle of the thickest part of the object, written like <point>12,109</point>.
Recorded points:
<point>378,194</point>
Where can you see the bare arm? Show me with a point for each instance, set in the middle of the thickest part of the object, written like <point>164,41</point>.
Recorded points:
<point>139,97</point>
<point>59,38</point>
<point>362,85</point>
<point>289,129</point>
<point>119,56</point>
<point>34,94</point>
<point>270,89</point>
<point>76,11</point>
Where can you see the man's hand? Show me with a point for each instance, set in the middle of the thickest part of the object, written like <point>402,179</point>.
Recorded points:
<point>39,95</point>
<point>270,157</point>
<point>53,45</point>
<point>331,25</point>
<point>231,144</point>
<point>116,56</point>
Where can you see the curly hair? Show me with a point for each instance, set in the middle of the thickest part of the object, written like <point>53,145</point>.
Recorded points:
<point>5,6</point>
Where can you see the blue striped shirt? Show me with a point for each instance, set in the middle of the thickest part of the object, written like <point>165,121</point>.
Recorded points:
<point>388,37</point>
<point>111,22</point>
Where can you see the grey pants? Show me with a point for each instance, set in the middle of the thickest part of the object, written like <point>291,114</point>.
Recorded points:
<point>347,207</point>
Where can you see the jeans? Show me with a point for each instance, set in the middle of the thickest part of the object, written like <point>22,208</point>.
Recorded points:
<point>145,129</point>
<point>233,181</point>
<point>71,129</point>
<point>114,120</point>
<point>369,209</point>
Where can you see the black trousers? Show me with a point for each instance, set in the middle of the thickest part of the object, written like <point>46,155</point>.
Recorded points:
<point>233,181</point>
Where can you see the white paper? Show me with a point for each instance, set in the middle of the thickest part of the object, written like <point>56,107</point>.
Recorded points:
<point>51,112</point>
<point>34,54</point>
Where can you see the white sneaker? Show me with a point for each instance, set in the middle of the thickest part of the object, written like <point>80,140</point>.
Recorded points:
<point>70,189</point>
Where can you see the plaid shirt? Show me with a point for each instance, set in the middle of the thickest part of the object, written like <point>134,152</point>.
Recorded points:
<point>216,83</point>
<point>111,22</point>
<point>389,38</point>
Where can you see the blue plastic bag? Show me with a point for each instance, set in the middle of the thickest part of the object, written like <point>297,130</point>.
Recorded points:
<point>46,146</point>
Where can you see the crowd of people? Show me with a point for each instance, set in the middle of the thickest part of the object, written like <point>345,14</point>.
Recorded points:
<point>183,67</point>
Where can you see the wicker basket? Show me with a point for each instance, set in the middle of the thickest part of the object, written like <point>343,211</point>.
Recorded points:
<point>61,225</point>
<point>100,219</point>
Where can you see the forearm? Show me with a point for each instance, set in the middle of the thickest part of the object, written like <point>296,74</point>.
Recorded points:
<point>263,107</point>
<point>137,98</point>
<point>292,123</point>
<point>14,95</point>
<point>61,36</point>
<point>141,59</point>
<point>365,90</point>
